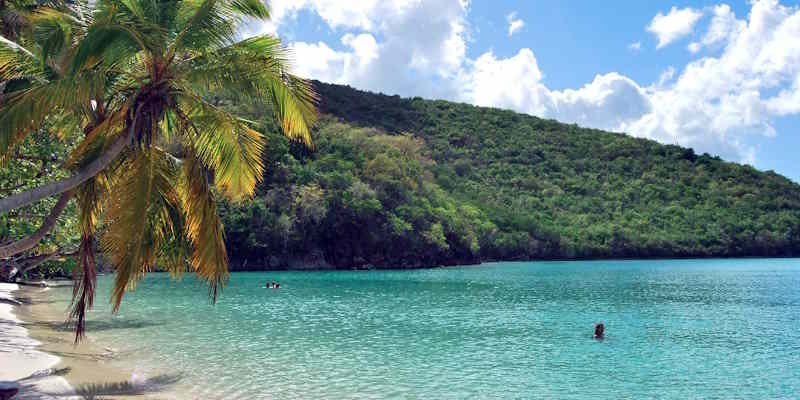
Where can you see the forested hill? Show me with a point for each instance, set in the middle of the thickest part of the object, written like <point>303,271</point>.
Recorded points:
<point>397,182</point>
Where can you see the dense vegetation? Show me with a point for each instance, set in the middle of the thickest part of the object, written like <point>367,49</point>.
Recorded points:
<point>399,182</point>
<point>396,182</point>
<point>38,161</point>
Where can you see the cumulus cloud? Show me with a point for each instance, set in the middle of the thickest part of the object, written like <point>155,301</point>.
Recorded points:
<point>514,23</point>
<point>723,25</point>
<point>674,25</point>
<point>715,104</point>
<point>510,83</point>
<point>635,46</point>
<point>402,47</point>
<point>516,83</point>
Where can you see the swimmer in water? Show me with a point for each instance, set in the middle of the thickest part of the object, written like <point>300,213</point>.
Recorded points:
<point>598,331</point>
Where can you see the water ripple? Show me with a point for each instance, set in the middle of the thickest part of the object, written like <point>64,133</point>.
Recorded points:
<point>676,330</point>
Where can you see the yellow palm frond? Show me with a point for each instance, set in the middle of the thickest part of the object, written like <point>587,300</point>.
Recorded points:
<point>139,217</point>
<point>256,69</point>
<point>226,145</point>
<point>293,103</point>
<point>203,227</point>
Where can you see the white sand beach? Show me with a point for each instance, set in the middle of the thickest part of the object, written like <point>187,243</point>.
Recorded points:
<point>21,362</point>
<point>38,353</point>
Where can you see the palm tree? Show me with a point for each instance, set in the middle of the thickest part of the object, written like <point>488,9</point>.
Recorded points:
<point>133,79</point>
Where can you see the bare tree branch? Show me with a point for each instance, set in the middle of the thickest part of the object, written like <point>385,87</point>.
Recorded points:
<point>31,241</point>
<point>51,189</point>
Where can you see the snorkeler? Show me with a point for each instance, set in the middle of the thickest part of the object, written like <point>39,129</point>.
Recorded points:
<point>598,331</point>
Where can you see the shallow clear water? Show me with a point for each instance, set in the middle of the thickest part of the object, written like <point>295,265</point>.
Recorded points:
<point>675,330</point>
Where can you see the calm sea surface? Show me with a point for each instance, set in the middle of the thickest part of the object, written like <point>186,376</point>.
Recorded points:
<point>687,329</point>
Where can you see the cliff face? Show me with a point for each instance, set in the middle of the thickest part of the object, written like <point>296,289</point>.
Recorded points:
<point>411,183</point>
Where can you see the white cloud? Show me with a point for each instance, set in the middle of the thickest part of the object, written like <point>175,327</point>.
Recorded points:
<point>635,46</point>
<point>608,102</point>
<point>716,104</point>
<point>787,101</point>
<point>403,45</point>
<point>723,25</point>
<point>673,26</point>
<point>322,62</point>
<point>514,23</point>
<point>516,83</point>
<point>511,83</point>
<point>694,47</point>
<point>665,76</point>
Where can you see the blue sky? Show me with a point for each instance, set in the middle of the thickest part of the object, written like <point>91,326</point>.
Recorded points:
<point>722,77</point>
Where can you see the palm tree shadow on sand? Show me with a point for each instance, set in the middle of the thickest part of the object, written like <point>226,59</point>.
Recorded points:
<point>92,391</point>
<point>96,326</point>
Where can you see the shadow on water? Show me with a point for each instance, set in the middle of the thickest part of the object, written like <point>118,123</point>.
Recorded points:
<point>94,391</point>
<point>95,326</point>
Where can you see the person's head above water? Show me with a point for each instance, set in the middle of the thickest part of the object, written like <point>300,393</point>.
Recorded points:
<point>598,331</point>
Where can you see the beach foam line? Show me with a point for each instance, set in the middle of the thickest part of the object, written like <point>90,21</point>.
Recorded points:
<point>20,361</point>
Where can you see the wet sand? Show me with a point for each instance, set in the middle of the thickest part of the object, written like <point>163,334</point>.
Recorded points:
<point>93,370</point>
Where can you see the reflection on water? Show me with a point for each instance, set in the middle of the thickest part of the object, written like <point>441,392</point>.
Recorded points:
<point>674,329</point>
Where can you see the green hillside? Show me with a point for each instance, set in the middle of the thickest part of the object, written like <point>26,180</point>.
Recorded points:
<point>397,182</point>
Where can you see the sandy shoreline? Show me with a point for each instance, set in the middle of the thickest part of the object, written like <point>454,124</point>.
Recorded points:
<point>46,361</point>
<point>20,356</point>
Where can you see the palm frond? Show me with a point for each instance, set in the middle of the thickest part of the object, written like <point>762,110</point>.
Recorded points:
<point>226,145</point>
<point>16,62</point>
<point>53,31</point>
<point>176,251</point>
<point>203,227</point>
<point>293,103</point>
<point>139,217</point>
<point>110,41</point>
<point>257,69</point>
<point>84,284</point>
<point>203,24</point>
<point>89,196</point>
<point>23,111</point>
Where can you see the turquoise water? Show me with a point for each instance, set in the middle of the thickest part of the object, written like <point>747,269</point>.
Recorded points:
<point>675,330</point>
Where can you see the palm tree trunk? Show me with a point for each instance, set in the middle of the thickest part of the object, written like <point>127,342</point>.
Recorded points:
<point>51,189</point>
<point>31,241</point>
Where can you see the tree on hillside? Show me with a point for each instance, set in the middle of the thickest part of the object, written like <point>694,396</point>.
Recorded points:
<point>134,81</point>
